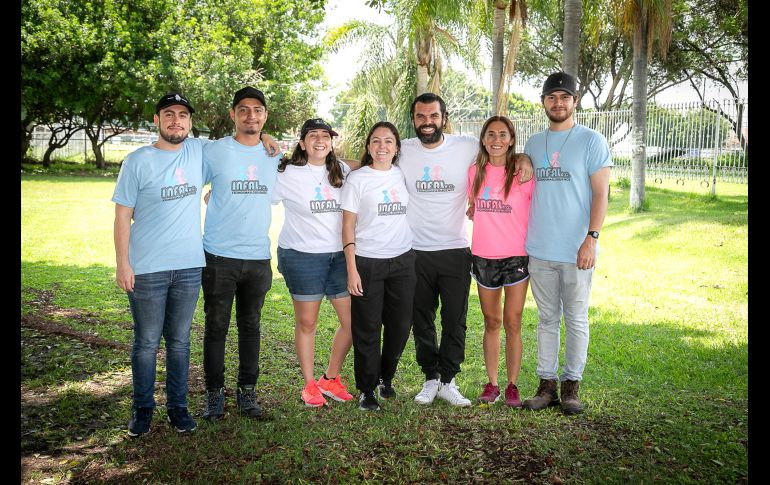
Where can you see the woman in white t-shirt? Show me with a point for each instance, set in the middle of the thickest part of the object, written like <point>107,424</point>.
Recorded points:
<point>377,243</point>
<point>310,253</point>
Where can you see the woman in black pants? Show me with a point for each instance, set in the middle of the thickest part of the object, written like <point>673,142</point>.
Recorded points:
<point>377,243</point>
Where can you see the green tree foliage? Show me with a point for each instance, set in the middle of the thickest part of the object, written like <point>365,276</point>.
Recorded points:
<point>106,62</point>
<point>84,63</point>
<point>215,47</point>
<point>709,39</point>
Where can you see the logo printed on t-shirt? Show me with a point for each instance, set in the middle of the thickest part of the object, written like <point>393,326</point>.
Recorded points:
<point>323,201</point>
<point>248,182</point>
<point>551,170</point>
<point>391,204</point>
<point>492,204</point>
<point>177,187</point>
<point>431,181</point>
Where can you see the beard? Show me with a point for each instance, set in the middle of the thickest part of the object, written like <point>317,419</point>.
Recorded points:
<point>432,137</point>
<point>558,118</point>
<point>248,131</point>
<point>174,139</point>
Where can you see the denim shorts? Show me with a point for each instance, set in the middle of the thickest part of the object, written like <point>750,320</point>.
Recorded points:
<point>310,276</point>
<point>495,273</point>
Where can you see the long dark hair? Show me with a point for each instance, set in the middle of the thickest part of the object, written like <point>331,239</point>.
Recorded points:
<point>367,159</point>
<point>482,159</point>
<point>299,158</point>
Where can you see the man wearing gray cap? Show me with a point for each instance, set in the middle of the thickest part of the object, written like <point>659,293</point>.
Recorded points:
<point>237,250</point>
<point>572,166</point>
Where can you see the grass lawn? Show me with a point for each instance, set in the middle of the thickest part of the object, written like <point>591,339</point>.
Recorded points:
<point>666,382</point>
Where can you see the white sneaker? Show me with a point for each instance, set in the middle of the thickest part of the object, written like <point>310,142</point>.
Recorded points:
<point>428,392</point>
<point>451,394</point>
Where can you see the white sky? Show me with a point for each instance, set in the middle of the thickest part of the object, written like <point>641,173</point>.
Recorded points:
<point>340,68</point>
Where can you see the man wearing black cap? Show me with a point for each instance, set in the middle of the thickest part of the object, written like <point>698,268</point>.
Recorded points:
<point>159,257</point>
<point>572,167</point>
<point>237,249</point>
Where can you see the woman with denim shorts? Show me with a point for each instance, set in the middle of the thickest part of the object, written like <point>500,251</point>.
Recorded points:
<point>377,242</point>
<point>500,207</point>
<point>310,254</point>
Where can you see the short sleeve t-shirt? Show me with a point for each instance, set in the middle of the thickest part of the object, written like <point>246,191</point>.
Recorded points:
<point>561,202</point>
<point>437,182</point>
<point>380,200</point>
<point>164,189</point>
<point>499,222</point>
<point>313,214</point>
<point>239,211</point>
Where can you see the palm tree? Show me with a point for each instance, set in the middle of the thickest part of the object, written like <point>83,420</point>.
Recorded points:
<point>571,44</point>
<point>437,29</point>
<point>503,71</point>
<point>646,22</point>
<point>384,86</point>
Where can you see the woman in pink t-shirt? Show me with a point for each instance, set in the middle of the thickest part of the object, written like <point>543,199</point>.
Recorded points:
<point>499,205</point>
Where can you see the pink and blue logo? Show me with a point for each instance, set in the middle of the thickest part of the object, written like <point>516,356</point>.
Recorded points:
<point>177,186</point>
<point>432,180</point>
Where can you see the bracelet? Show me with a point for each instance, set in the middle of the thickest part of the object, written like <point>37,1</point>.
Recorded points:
<point>348,244</point>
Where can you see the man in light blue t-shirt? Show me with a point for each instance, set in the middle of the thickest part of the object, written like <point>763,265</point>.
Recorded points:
<point>572,166</point>
<point>237,250</point>
<point>159,257</point>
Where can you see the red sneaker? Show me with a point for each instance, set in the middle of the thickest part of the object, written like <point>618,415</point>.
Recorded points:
<point>512,395</point>
<point>490,394</point>
<point>334,388</point>
<point>311,395</point>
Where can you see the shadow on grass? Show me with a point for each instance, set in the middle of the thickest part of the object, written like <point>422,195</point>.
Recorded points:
<point>648,385</point>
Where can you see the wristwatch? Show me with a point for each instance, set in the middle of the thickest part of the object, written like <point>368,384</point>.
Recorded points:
<point>594,234</point>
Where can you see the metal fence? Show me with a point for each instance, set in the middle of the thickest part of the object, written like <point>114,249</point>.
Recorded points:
<point>685,141</point>
<point>79,146</point>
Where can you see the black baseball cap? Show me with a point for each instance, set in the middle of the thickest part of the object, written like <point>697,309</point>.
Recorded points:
<point>316,124</point>
<point>172,98</point>
<point>560,81</point>
<point>249,92</point>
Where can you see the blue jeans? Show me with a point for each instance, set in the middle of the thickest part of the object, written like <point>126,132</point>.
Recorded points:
<point>163,304</point>
<point>561,288</point>
<point>310,276</point>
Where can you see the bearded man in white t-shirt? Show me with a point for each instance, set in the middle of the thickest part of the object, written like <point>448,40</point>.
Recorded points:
<point>435,166</point>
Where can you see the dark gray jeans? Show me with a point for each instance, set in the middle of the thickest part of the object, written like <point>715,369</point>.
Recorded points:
<point>247,281</point>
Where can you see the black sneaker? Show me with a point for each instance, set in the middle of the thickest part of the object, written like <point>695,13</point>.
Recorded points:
<point>140,421</point>
<point>180,419</point>
<point>246,400</point>
<point>386,389</point>
<point>368,402</point>
<point>214,407</point>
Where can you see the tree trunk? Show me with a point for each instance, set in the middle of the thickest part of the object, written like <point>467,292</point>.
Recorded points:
<point>422,79</point>
<point>498,33</point>
<point>98,154</point>
<point>571,45</point>
<point>639,132</point>
<point>26,139</point>
<point>47,155</point>
<point>93,136</point>
<point>423,54</point>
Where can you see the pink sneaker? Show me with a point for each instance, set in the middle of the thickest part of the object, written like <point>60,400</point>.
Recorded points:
<point>512,396</point>
<point>334,388</point>
<point>490,394</point>
<point>312,395</point>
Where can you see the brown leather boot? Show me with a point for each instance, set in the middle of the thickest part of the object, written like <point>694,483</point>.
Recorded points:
<point>546,396</point>
<point>570,403</point>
